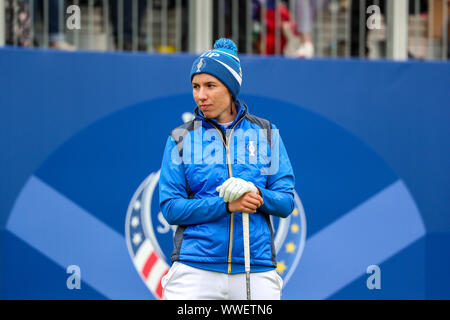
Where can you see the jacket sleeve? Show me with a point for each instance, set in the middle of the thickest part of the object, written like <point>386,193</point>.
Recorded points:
<point>175,206</point>
<point>278,195</point>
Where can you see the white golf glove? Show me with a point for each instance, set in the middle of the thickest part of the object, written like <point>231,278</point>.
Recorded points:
<point>234,188</point>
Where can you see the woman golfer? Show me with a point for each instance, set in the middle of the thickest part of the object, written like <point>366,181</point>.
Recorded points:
<point>217,168</point>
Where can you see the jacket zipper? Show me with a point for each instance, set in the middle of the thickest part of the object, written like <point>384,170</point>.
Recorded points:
<point>230,174</point>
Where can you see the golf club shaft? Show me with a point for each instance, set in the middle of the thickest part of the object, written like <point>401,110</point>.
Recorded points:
<point>245,226</point>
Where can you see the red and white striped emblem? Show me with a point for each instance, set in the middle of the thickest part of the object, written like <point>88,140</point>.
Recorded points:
<point>141,240</point>
<point>151,267</point>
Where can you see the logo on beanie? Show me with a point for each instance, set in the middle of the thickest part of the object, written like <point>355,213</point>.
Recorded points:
<point>200,64</point>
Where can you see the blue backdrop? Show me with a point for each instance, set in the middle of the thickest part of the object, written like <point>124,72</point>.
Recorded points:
<point>81,140</point>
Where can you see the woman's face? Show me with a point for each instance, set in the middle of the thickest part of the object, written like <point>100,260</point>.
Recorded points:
<point>212,97</point>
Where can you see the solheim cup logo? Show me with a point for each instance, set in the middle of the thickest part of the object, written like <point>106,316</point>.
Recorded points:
<point>148,258</point>
<point>143,245</point>
<point>144,237</point>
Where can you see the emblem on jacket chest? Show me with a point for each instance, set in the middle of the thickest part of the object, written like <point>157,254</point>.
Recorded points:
<point>251,148</point>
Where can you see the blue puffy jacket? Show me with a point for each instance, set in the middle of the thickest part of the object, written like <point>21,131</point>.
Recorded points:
<point>199,156</point>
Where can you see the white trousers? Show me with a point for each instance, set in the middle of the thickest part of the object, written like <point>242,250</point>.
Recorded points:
<point>184,282</point>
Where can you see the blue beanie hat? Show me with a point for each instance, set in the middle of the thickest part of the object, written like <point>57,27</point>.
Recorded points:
<point>223,63</point>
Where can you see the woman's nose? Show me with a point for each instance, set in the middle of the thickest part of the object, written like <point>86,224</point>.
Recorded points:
<point>202,94</point>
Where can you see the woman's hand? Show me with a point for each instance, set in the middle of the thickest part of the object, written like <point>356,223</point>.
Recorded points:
<point>249,203</point>
<point>234,188</point>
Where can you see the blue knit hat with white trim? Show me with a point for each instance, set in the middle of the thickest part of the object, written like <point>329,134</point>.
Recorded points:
<point>223,63</point>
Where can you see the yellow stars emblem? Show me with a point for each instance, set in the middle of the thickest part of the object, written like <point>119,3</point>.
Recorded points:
<point>295,212</point>
<point>291,243</point>
<point>290,247</point>
<point>281,267</point>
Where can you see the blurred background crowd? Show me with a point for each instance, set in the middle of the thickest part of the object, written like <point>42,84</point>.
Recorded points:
<point>400,29</point>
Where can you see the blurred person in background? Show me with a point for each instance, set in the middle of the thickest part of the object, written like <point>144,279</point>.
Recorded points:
<point>17,23</point>
<point>375,41</point>
<point>127,11</point>
<point>271,25</point>
<point>306,13</point>
<point>18,19</point>
<point>57,38</point>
